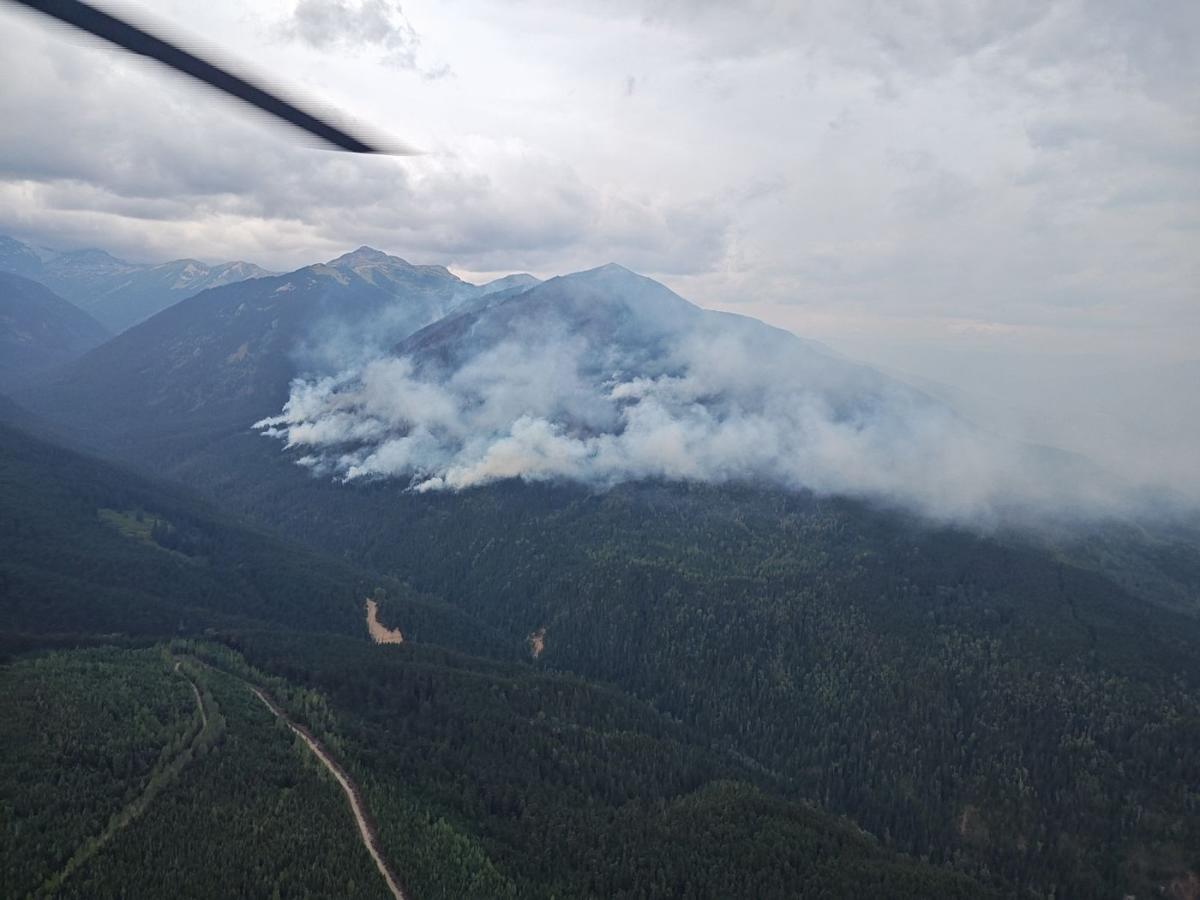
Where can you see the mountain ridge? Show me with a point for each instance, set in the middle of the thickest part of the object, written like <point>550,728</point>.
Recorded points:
<point>40,330</point>
<point>118,293</point>
<point>602,375</point>
<point>227,354</point>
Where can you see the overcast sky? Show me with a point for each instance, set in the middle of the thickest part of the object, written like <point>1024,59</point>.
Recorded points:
<point>1003,193</point>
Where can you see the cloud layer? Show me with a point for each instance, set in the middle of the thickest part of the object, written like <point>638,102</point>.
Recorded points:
<point>955,188</point>
<point>378,26</point>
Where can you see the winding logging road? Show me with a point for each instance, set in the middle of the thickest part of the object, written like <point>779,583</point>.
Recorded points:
<point>199,701</point>
<point>364,828</point>
<point>164,773</point>
<point>158,778</point>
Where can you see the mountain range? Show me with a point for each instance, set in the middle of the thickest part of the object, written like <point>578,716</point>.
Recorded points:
<point>600,376</point>
<point>689,605</point>
<point>118,294</point>
<point>225,358</point>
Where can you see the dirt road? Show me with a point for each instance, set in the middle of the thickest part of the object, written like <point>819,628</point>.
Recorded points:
<point>364,828</point>
<point>162,775</point>
<point>199,702</point>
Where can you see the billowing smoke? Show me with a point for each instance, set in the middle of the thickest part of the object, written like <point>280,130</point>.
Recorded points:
<point>605,377</point>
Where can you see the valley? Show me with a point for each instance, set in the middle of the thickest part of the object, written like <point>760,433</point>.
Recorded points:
<point>564,588</point>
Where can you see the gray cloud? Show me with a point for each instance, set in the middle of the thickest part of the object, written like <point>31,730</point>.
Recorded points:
<point>218,184</point>
<point>1022,38</point>
<point>377,26</point>
<point>920,183</point>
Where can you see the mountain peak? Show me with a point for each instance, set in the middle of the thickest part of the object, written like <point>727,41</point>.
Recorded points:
<point>612,268</point>
<point>614,286</point>
<point>364,256</point>
<point>91,255</point>
<point>610,275</point>
<point>509,282</point>
<point>371,264</point>
<point>18,257</point>
<point>607,273</point>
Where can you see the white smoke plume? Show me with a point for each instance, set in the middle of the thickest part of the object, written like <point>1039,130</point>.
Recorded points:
<point>605,377</point>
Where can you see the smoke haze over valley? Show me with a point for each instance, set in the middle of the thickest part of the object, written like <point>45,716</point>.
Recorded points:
<point>605,376</point>
<point>386,370</point>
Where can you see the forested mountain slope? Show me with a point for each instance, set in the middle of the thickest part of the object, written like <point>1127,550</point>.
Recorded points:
<point>971,698</point>
<point>40,330</point>
<point>485,777</point>
<point>89,734</point>
<point>599,479</point>
<point>219,361</point>
<point>93,548</point>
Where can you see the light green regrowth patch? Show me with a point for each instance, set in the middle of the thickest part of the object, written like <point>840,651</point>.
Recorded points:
<point>139,525</point>
<point>133,523</point>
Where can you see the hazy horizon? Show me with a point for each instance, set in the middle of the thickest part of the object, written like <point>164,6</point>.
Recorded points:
<point>1139,444</point>
<point>997,197</point>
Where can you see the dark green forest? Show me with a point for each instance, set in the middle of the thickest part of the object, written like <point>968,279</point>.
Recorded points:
<point>252,815</point>
<point>740,693</point>
<point>571,788</point>
<point>994,703</point>
<point>83,733</point>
